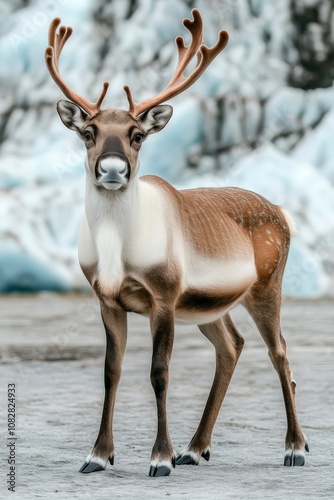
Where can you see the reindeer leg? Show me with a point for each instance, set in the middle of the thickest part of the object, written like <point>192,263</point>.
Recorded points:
<point>228,344</point>
<point>162,329</point>
<point>264,305</point>
<point>115,323</point>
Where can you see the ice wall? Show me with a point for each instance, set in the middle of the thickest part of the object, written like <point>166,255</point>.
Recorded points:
<point>255,119</point>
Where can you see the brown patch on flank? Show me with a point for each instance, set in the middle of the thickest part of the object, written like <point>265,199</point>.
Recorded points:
<point>268,244</point>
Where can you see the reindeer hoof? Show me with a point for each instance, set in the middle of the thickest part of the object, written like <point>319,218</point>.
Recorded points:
<point>162,470</point>
<point>186,460</point>
<point>299,460</point>
<point>191,457</point>
<point>161,467</point>
<point>91,467</point>
<point>294,458</point>
<point>94,463</point>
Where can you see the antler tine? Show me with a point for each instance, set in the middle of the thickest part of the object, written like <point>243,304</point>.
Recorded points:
<point>61,39</point>
<point>186,53</point>
<point>206,55</point>
<point>52,31</point>
<point>52,55</point>
<point>179,82</point>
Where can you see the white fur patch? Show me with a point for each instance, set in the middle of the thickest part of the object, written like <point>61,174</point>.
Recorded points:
<point>161,463</point>
<point>96,460</point>
<point>205,273</point>
<point>299,453</point>
<point>86,247</point>
<point>290,221</point>
<point>128,227</point>
<point>194,455</point>
<point>147,240</point>
<point>109,248</point>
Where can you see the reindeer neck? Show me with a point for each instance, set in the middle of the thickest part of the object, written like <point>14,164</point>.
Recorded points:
<point>116,207</point>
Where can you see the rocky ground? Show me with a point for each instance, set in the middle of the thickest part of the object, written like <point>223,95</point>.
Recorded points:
<point>52,349</point>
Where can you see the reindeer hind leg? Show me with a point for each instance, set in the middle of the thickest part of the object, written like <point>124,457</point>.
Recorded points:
<point>264,305</point>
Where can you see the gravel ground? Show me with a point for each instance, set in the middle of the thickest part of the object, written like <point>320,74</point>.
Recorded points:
<point>52,348</point>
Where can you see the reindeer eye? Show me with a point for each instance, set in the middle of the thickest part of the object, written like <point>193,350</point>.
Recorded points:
<point>138,137</point>
<point>87,136</point>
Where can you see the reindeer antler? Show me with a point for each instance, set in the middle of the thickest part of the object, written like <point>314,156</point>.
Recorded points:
<point>52,54</point>
<point>179,82</point>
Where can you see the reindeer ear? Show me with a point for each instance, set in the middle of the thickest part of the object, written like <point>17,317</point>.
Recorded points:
<point>72,116</point>
<point>155,119</point>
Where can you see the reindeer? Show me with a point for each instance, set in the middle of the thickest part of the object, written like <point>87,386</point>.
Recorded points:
<point>175,256</point>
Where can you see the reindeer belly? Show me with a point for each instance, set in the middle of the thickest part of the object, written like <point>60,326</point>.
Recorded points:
<point>201,307</point>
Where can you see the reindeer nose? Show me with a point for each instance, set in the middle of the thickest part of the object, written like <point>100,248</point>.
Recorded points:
<point>112,172</point>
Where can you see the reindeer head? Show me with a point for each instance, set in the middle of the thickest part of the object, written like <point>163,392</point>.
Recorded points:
<point>113,137</point>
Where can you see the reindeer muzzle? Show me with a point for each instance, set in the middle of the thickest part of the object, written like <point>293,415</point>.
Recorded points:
<point>112,170</point>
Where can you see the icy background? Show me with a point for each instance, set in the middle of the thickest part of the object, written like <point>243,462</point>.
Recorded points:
<point>261,117</point>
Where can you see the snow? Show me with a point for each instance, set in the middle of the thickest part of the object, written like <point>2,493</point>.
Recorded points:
<point>241,124</point>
